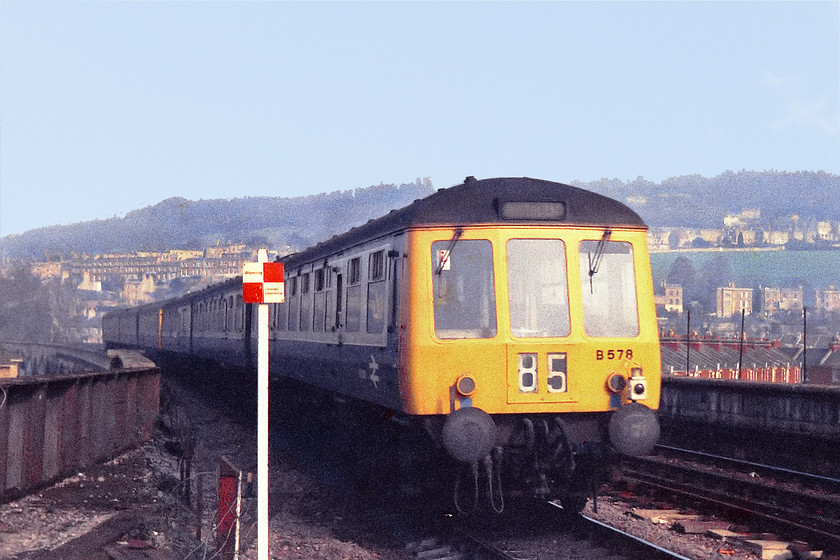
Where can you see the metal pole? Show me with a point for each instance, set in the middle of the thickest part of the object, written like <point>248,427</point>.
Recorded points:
<point>687,339</point>
<point>741,346</point>
<point>804,344</point>
<point>262,423</point>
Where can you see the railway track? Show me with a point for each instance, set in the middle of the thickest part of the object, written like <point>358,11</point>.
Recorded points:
<point>753,469</point>
<point>545,532</point>
<point>793,504</point>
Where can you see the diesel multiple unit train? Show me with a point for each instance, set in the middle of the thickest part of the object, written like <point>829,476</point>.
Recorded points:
<point>508,322</point>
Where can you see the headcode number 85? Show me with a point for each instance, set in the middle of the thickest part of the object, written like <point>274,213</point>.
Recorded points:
<point>614,354</point>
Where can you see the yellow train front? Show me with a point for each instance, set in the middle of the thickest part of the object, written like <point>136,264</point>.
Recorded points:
<point>512,318</point>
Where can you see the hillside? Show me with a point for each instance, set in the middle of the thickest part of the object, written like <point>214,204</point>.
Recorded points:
<point>275,222</point>
<point>696,201</point>
<point>178,223</point>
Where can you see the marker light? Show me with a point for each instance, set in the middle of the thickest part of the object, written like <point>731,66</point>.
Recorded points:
<point>638,385</point>
<point>616,383</point>
<point>465,385</point>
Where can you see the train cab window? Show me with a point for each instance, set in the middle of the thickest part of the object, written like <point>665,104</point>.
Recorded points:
<point>353,318</point>
<point>463,289</point>
<point>608,284</point>
<point>538,288</point>
<point>376,293</point>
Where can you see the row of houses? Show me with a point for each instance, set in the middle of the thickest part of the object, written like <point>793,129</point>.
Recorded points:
<point>744,230</point>
<point>161,267</point>
<point>731,300</point>
<point>105,282</point>
<point>751,360</point>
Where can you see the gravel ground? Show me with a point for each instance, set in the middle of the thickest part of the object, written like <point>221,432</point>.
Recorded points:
<point>309,520</point>
<point>619,514</point>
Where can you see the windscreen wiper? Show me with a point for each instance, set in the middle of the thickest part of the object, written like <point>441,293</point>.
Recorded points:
<point>595,261</point>
<point>445,258</point>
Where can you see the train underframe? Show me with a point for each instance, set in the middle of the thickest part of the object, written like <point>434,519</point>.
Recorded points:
<point>398,457</point>
<point>543,456</point>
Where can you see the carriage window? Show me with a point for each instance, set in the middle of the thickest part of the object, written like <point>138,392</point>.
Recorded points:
<point>354,308</point>
<point>608,284</point>
<point>294,304</point>
<point>463,289</point>
<point>376,266</point>
<point>320,280</point>
<point>538,290</point>
<point>353,315</point>
<point>305,304</point>
<point>354,271</point>
<point>319,320</point>
<point>282,319</point>
<point>376,293</point>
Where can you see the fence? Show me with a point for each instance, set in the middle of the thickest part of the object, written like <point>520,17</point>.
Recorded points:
<point>767,373</point>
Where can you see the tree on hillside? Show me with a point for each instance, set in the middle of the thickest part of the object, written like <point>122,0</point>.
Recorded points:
<point>682,273</point>
<point>716,274</point>
<point>24,308</point>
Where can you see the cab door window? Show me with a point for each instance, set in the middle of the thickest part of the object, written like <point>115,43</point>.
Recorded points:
<point>463,289</point>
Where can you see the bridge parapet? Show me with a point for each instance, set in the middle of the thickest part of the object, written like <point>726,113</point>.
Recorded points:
<point>51,426</point>
<point>41,358</point>
<point>780,408</point>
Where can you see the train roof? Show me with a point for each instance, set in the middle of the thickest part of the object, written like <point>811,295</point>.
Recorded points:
<point>509,200</point>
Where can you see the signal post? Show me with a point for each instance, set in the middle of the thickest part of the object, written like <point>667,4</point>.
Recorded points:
<point>262,283</point>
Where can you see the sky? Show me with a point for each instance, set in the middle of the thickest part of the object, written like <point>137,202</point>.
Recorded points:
<point>107,107</point>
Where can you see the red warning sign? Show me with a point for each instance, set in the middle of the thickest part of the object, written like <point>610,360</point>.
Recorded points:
<point>263,282</point>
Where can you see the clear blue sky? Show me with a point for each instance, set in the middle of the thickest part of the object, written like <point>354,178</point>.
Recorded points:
<point>106,107</point>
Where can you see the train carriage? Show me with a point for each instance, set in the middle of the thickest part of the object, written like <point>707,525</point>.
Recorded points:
<point>511,319</point>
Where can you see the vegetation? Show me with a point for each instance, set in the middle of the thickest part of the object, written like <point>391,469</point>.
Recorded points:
<point>699,202</point>
<point>25,307</point>
<point>177,223</point>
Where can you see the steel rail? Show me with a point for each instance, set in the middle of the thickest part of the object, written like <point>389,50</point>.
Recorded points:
<point>620,543</point>
<point>780,517</point>
<point>761,466</point>
<point>650,550</point>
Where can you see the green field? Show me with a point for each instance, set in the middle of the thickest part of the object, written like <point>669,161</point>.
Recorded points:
<point>820,269</point>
